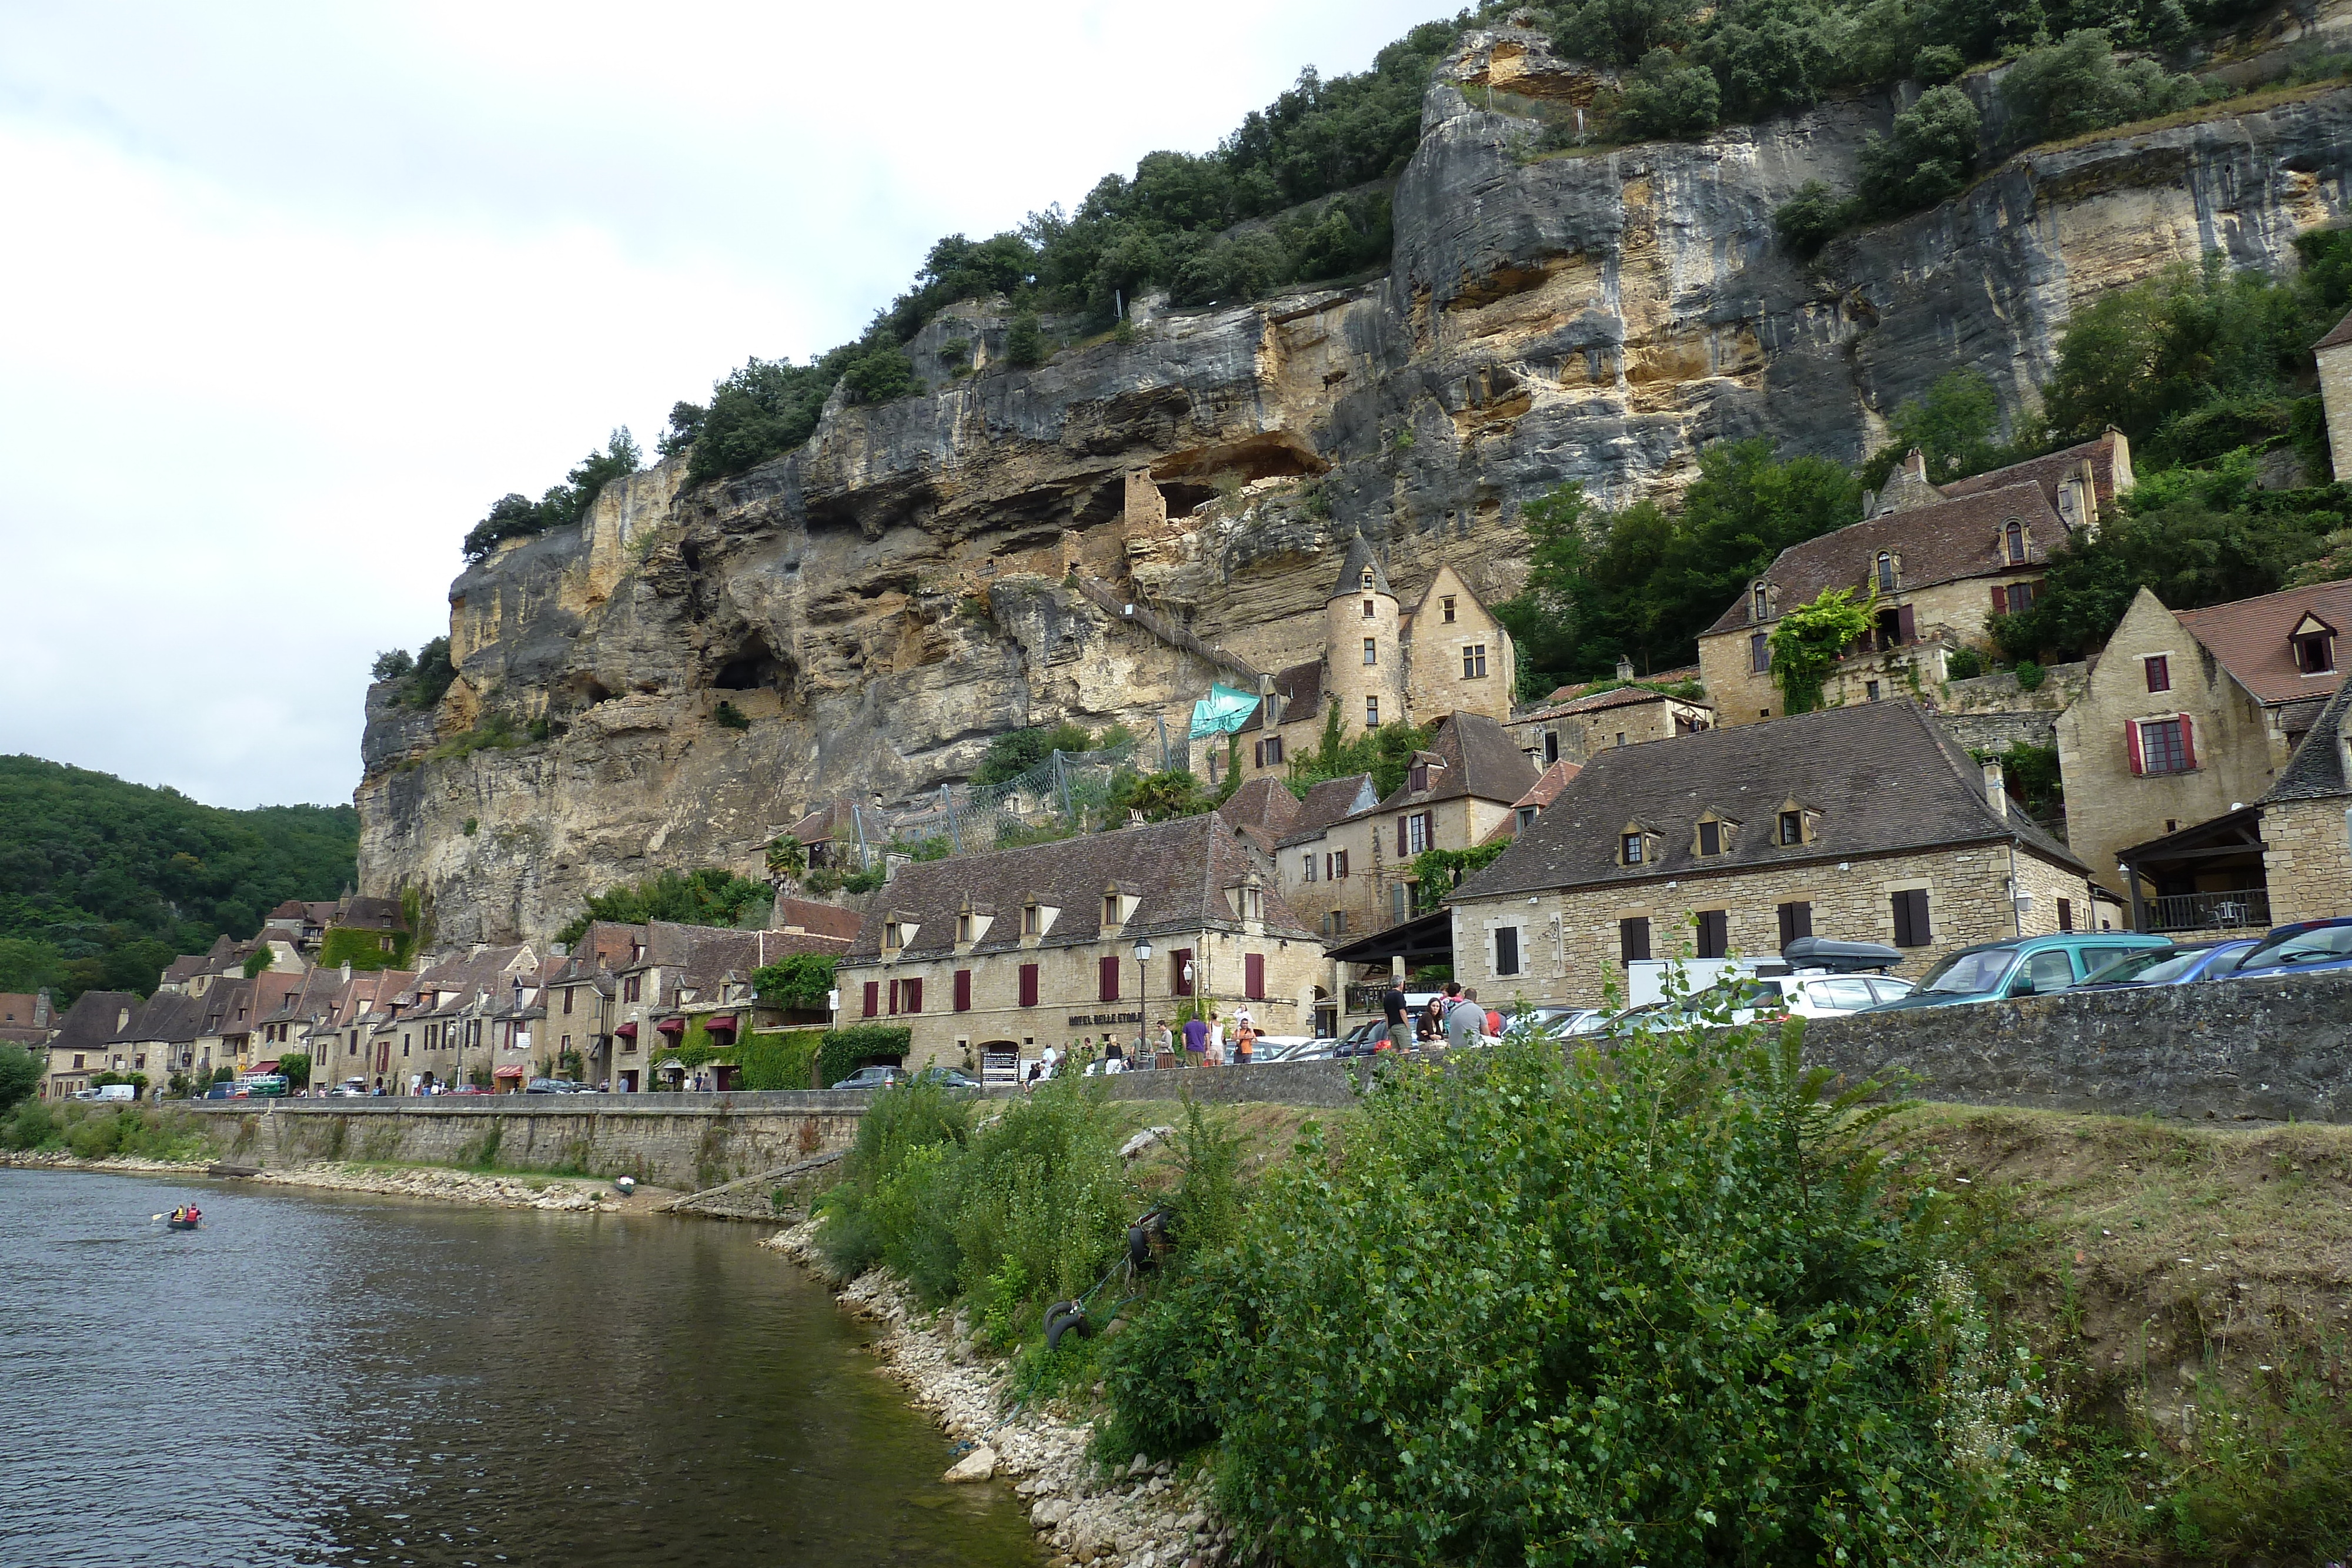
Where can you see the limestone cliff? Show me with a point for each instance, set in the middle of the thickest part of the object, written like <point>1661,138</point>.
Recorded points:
<point>881,602</point>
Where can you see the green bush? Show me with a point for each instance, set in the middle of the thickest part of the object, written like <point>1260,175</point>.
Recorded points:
<point>1668,98</point>
<point>1811,219</point>
<point>1928,159</point>
<point>518,516</point>
<point>1964,665</point>
<point>31,1125</point>
<point>867,1215</point>
<point>800,981</point>
<point>2076,87</point>
<point>1654,1306</point>
<point>710,896</point>
<point>845,1051</point>
<point>778,1059</point>
<point>1024,341</point>
<point>730,716</point>
<point>881,375</point>
<point>20,1075</point>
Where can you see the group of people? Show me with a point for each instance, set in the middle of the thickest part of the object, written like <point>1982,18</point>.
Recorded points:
<point>1454,1018</point>
<point>1201,1041</point>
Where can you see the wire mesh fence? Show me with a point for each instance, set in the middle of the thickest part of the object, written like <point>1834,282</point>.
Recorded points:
<point>1067,794</point>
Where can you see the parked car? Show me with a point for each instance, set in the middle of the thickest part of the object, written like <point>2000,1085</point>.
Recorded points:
<point>466,1089</point>
<point>1270,1048</point>
<point>551,1086</point>
<point>2189,961</point>
<point>872,1077</point>
<point>1363,1039</point>
<point>219,1092</point>
<point>115,1092</point>
<point>946,1077</point>
<point>349,1089</point>
<point>2300,949</point>
<point>2022,966</point>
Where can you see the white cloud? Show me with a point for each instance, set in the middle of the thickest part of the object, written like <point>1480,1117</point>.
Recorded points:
<point>294,291</point>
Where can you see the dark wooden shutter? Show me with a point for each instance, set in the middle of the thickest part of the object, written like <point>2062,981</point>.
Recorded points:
<point>963,990</point>
<point>1796,920</point>
<point>1179,972</point>
<point>1253,976</point>
<point>1907,629</point>
<point>914,998</point>
<point>2065,914</point>
<point>1713,933</point>
<point>1507,950</point>
<point>2000,600</point>
<point>1402,851</point>
<point>1028,985</point>
<point>1911,928</point>
<point>873,998</point>
<point>1106,977</point>
<point>1633,939</point>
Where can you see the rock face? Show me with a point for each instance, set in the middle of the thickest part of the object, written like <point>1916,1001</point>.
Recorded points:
<point>927,573</point>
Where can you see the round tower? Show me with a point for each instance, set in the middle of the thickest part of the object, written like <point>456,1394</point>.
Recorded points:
<point>1363,653</point>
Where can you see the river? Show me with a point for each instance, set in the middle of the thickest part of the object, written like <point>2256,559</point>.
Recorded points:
<point>331,1379</point>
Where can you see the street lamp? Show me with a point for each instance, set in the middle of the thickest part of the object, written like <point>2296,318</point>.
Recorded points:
<point>1142,995</point>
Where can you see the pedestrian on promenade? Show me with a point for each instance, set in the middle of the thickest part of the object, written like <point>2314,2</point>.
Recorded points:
<point>1114,1056</point>
<point>1245,1041</point>
<point>1196,1042</point>
<point>1216,1040</point>
<point>1399,1038</point>
<point>1494,1018</point>
<point>1163,1043</point>
<point>1464,1017</point>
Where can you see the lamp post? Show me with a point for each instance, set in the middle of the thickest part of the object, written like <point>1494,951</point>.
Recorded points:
<point>1142,995</point>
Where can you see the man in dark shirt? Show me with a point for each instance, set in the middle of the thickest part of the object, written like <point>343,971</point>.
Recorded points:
<point>1392,1006</point>
<point>1196,1042</point>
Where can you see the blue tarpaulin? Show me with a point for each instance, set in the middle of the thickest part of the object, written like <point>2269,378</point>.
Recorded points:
<point>1223,711</point>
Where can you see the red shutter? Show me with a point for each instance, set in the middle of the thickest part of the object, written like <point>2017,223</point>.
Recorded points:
<point>1028,985</point>
<point>1253,976</point>
<point>963,990</point>
<point>2131,743</point>
<point>1909,630</point>
<point>2000,600</point>
<point>1179,976</point>
<point>914,996</point>
<point>873,998</point>
<point>1106,973</point>
<point>2188,743</point>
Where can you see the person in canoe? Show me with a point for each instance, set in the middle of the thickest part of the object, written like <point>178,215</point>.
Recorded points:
<point>186,1216</point>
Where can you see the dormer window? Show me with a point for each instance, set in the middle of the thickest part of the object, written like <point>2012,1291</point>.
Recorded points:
<point>1759,604</point>
<point>1446,607</point>
<point>1885,572</point>
<point>2014,542</point>
<point>1032,922</point>
<point>964,928</point>
<point>2313,642</point>
<point>1793,827</point>
<point>1367,580</point>
<point>1416,777</point>
<point>1710,838</point>
<point>894,938</point>
<point>1629,849</point>
<point>1110,909</point>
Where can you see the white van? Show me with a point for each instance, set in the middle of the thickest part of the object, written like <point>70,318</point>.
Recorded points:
<point>120,1091</point>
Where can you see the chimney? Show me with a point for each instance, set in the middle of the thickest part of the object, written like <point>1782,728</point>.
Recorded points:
<point>347,971</point>
<point>1624,668</point>
<point>1915,463</point>
<point>1996,790</point>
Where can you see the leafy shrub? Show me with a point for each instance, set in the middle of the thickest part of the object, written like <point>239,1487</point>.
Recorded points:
<point>767,407</point>
<point>2077,87</point>
<point>1014,752</point>
<point>20,1075</point>
<point>1665,98</point>
<point>1657,1306</point>
<point>95,1138</point>
<point>866,1214</point>
<point>846,1049</point>
<point>1928,159</point>
<point>32,1124</point>
<point>2029,675</point>
<point>1810,639</point>
<point>881,375</point>
<point>797,981</point>
<point>1024,341</point>
<point>1964,665</point>
<point>730,716</point>
<point>1044,1199</point>
<point>1937,64</point>
<point>518,516</point>
<point>710,896</point>
<point>1809,219</point>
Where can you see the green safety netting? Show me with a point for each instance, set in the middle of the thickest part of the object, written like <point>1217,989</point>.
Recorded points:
<point>1223,711</point>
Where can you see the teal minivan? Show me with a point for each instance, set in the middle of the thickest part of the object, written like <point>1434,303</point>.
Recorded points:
<point>2021,967</point>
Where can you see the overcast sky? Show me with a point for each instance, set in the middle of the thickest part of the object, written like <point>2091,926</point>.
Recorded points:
<point>290,293</point>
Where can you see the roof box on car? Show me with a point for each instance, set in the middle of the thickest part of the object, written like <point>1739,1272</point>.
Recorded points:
<point>1840,958</point>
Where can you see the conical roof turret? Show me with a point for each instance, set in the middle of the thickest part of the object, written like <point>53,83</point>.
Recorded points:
<point>1352,572</point>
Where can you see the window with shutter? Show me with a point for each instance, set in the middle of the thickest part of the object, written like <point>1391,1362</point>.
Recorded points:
<point>1796,920</point>
<point>1714,932</point>
<point>1254,976</point>
<point>1106,978</point>
<point>2164,746</point>
<point>1342,858</point>
<point>1759,653</point>
<point>1710,838</point>
<point>2188,742</point>
<point>873,998</point>
<point>1402,851</point>
<point>1274,751</point>
<point>1905,626</point>
<point>914,996</point>
<point>1911,927</point>
<point>1633,939</point>
<point>1028,985</point>
<point>963,990</point>
<point>2000,600</point>
<point>1507,950</point>
<point>1179,972</point>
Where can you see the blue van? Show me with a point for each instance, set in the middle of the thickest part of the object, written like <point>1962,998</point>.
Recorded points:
<point>2021,967</point>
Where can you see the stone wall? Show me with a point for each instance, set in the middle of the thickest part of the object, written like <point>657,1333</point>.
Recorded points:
<point>684,1141</point>
<point>1330,1084</point>
<point>2228,1050</point>
<point>2308,861</point>
<point>2335,394</point>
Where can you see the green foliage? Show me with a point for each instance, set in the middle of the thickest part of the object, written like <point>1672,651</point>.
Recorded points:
<point>428,675</point>
<point>1809,219</point>
<point>761,411</point>
<point>869,1216</point>
<point>881,375</point>
<point>1665,98</point>
<point>1955,425</point>
<point>1621,32</point>
<point>295,1067</point>
<point>845,1051</point>
<point>363,950</point>
<point>1437,873</point>
<point>710,896</point>
<point>2032,773</point>
<point>798,982</point>
<point>778,1058</point>
<point>1928,159</point>
<point>259,959</point>
<point>730,716</point>
<point>393,664</point>
<point>518,516</point>
<point>32,1124</point>
<point>103,882</point>
<point>1644,582</point>
<point>1964,665</point>
<point>1014,752</point>
<point>106,1132</point>
<point>1657,1305</point>
<point>1024,341</point>
<point>2029,675</point>
<point>786,856</point>
<point>1810,638</point>
<point>2077,86</point>
<point>1385,753</point>
<point>1161,797</point>
<point>20,1075</point>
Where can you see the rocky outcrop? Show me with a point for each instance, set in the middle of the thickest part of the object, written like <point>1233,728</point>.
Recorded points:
<point>880,602</point>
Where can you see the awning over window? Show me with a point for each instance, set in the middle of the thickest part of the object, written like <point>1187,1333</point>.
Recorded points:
<point>508,1073</point>
<point>724,1024</point>
<point>626,1031</point>
<point>671,1025</point>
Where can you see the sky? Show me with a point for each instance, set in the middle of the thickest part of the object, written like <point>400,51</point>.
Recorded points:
<point>289,294</point>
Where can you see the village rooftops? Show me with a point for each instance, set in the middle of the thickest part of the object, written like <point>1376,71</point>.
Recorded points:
<point>1680,675</point>
<point>1871,779</point>
<point>1601,702</point>
<point>2265,643</point>
<point>1184,875</point>
<point>2319,769</point>
<point>1298,690</point>
<point>2109,456</point>
<point>1329,803</point>
<point>2339,335</point>
<point>1469,756</point>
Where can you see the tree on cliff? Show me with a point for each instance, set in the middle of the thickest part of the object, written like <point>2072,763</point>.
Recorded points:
<point>710,896</point>
<point>518,516</point>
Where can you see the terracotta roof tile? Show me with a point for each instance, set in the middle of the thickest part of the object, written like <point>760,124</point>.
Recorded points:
<point>1264,802</point>
<point>2249,638</point>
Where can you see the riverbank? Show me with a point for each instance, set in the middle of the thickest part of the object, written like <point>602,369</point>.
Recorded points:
<point>493,1189</point>
<point>1149,1516</point>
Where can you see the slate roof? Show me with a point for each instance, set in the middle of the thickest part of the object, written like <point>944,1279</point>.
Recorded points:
<point>2050,471</point>
<point>1547,788</point>
<point>2340,335</point>
<point>2316,772</point>
<point>1331,802</point>
<point>1946,542</point>
<point>482,971</point>
<point>18,1008</point>
<point>2249,637</point>
<point>1882,777</point>
<point>1481,761</point>
<point>1178,870</point>
<point>1352,572</point>
<point>1264,802</point>
<point>1301,689</point>
<point>372,914</point>
<point>823,919</point>
<point>169,1018</point>
<point>1663,678</point>
<point>91,1023</point>
<point>1601,702</point>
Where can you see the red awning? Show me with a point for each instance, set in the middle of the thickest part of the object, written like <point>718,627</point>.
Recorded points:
<point>671,1025</point>
<point>265,1067</point>
<point>508,1073</point>
<point>724,1024</point>
<point>626,1031</point>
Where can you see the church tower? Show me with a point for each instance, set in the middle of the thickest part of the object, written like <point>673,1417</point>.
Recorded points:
<point>1362,655</point>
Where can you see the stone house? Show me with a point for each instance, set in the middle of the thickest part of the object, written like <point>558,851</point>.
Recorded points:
<point>26,1019</point>
<point>88,1041</point>
<point>2334,354</point>
<point>989,960</point>
<point>1355,876</point>
<point>1382,663</point>
<point>673,969</point>
<point>2307,822</point>
<point>1530,806</point>
<point>2187,715</point>
<point>1862,823</point>
<point>1940,559</point>
<point>1573,730</point>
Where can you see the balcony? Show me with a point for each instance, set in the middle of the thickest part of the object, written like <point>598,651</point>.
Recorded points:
<point>2240,909</point>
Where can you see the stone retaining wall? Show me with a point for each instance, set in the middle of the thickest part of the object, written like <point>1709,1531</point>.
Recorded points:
<point>1322,1083</point>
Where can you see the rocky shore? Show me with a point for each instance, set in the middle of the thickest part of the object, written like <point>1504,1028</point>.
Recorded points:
<point>495,1190</point>
<point>1143,1516</point>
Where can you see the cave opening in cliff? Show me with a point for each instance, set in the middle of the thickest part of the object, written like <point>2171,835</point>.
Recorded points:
<point>752,665</point>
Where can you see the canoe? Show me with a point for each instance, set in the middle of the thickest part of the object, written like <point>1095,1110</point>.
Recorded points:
<point>182,1224</point>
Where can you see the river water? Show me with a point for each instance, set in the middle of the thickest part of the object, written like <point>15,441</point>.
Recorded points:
<point>329,1379</point>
